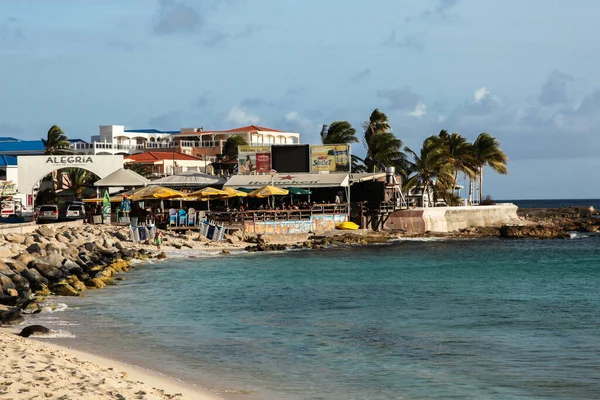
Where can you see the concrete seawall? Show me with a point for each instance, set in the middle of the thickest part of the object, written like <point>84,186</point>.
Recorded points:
<point>449,219</point>
<point>28,227</point>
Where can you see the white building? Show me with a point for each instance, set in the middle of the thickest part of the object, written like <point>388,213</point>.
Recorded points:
<point>115,139</point>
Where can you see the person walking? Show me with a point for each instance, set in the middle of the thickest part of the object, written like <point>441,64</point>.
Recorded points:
<point>158,239</point>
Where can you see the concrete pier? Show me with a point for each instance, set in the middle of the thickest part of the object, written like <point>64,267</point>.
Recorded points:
<point>449,219</point>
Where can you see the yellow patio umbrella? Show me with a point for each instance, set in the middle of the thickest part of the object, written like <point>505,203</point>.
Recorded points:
<point>267,191</point>
<point>234,193</point>
<point>156,192</point>
<point>207,193</point>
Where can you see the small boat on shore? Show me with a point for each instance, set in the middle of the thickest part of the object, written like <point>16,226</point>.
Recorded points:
<point>351,226</point>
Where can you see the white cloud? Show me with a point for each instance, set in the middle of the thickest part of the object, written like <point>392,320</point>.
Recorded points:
<point>240,116</point>
<point>480,94</point>
<point>419,111</point>
<point>294,116</point>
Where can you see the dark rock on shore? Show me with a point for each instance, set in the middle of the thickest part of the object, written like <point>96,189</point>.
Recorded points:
<point>533,231</point>
<point>10,317</point>
<point>34,329</point>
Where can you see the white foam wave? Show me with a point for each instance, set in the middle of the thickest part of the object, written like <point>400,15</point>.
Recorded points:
<point>419,239</point>
<point>53,308</point>
<point>55,334</point>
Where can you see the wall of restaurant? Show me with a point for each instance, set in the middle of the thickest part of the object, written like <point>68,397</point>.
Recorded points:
<point>316,223</point>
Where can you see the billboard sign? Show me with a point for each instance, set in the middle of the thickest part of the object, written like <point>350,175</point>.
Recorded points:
<point>330,158</point>
<point>254,160</point>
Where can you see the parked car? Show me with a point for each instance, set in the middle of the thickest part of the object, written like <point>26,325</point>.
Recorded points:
<point>75,211</point>
<point>47,213</point>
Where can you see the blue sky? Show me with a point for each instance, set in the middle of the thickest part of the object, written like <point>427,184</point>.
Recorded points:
<point>524,71</point>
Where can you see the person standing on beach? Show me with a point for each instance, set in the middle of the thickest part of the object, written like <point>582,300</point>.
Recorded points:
<point>158,239</point>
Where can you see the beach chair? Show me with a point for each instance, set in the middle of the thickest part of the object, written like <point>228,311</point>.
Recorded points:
<point>201,216</point>
<point>183,217</point>
<point>173,220</point>
<point>191,217</point>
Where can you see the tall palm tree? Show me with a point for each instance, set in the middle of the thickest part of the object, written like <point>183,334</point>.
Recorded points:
<point>57,142</point>
<point>385,151</point>
<point>383,148</point>
<point>429,170</point>
<point>378,122</point>
<point>459,154</point>
<point>486,151</point>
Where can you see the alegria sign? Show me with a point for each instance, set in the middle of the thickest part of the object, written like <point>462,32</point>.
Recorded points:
<point>69,160</point>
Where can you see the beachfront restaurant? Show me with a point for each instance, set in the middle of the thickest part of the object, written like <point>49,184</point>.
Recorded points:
<point>315,202</point>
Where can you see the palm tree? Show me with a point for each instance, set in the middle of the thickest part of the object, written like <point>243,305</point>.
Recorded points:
<point>430,170</point>
<point>230,148</point>
<point>486,151</point>
<point>378,122</point>
<point>458,153</point>
<point>79,179</point>
<point>57,142</point>
<point>383,148</point>
<point>142,169</point>
<point>341,132</point>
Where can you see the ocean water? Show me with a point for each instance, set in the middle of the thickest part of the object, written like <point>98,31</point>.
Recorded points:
<point>429,319</point>
<point>554,203</point>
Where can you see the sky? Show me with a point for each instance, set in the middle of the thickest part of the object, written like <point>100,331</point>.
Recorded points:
<point>526,72</point>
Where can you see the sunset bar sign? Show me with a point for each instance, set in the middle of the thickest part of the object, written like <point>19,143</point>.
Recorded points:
<point>330,158</point>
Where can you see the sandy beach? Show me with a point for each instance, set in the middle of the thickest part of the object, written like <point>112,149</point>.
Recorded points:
<point>32,369</point>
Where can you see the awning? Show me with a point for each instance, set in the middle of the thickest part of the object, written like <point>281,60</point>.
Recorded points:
<point>190,179</point>
<point>294,190</point>
<point>300,180</point>
<point>365,176</point>
<point>123,177</point>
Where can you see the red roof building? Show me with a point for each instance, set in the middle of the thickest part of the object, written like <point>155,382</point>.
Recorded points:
<point>163,163</point>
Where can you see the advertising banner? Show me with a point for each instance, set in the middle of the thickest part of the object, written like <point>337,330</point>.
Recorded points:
<point>254,160</point>
<point>330,158</point>
<point>7,188</point>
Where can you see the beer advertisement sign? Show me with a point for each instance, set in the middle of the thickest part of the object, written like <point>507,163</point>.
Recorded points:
<point>254,160</point>
<point>330,158</point>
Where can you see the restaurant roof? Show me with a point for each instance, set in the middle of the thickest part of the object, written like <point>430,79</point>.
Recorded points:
<point>189,179</point>
<point>299,180</point>
<point>123,177</point>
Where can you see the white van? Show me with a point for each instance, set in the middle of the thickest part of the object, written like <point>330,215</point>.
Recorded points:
<point>11,207</point>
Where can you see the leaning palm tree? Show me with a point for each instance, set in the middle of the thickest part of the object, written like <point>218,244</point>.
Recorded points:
<point>459,154</point>
<point>378,122</point>
<point>429,171</point>
<point>383,148</point>
<point>385,151</point>
<point>57,142</point>
<point>486,151</point>
<point>341,132</point>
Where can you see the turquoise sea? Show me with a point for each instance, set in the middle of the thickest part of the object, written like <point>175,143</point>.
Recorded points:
<point>429,319</point>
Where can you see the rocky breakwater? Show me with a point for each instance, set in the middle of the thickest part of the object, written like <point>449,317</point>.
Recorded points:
<point>65,261</point>
<point>550,223</point>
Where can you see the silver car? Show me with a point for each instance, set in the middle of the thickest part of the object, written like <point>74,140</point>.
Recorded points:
<point>47,213</point>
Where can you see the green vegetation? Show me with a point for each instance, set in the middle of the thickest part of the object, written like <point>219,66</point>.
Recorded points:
<point>434,169</point>
<point>78,180</point>
<point>57,142</point>
<point>141,169</point>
